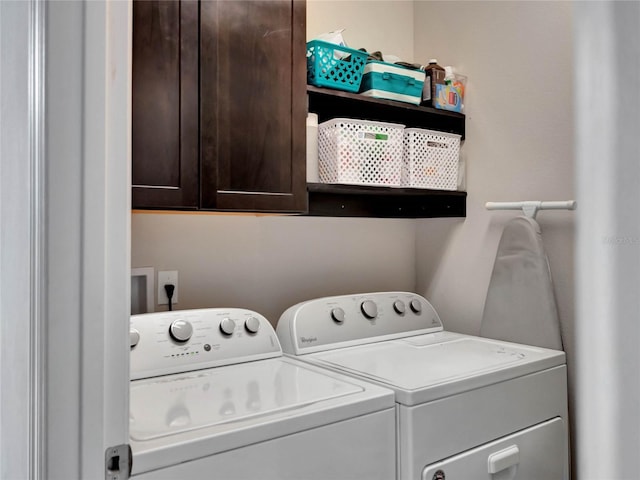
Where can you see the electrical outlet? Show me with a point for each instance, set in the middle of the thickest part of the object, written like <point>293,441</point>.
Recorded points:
<point>164,278</point>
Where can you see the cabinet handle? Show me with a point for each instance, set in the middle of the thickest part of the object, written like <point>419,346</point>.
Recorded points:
<point>504,459</point>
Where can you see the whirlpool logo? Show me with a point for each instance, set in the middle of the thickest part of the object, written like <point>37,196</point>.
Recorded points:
<point>308,339</point>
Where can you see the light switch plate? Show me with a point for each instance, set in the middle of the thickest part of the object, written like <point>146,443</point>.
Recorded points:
<point>164,278</point>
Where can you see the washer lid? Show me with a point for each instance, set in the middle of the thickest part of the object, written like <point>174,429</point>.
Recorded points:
<point>180,403</point>
<point>181,417</point>
<point>427,367</point>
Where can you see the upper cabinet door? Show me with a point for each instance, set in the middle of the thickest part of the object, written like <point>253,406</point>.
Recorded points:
<point>253,105</point>
<point>165,104</point>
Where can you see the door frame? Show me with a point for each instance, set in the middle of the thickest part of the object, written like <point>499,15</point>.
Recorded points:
<point>65,218</point>
<point>22,237</point>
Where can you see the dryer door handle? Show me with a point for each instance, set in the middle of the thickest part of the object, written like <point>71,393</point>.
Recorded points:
<point>504,459</point>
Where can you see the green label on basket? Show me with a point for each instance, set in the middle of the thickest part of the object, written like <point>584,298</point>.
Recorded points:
<point>373,136</point>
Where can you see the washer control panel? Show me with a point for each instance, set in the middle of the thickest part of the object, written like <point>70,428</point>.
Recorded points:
<point>333,322</point>
<point>163,343</point>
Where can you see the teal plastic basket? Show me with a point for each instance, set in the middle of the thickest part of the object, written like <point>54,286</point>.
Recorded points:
<point>334,66</point>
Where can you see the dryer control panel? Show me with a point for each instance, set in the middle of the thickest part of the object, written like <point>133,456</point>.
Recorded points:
<point>336,322</point>
<point>163,343</point>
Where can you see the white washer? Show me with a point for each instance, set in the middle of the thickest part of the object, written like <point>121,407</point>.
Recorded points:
<point>212,396</point>
<point>467,407</point>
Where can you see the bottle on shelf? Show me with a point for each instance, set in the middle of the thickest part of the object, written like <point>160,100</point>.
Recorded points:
<point>312,148</point>
<point>434,74</point>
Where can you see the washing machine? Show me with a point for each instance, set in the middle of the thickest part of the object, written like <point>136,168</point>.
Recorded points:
<point>467,407</point>
<point>212,396</point>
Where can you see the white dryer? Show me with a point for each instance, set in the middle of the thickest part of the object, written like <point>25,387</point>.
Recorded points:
<point>212,396</point>
<point>468,408</point>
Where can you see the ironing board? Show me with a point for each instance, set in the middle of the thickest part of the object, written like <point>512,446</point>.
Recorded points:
<point>520,305</point>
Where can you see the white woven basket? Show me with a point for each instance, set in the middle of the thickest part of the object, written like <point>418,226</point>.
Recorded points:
<point>430,159</point>
<point>360,152</point>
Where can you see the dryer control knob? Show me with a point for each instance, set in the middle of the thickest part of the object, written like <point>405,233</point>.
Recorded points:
<point>399,307</point>
<point>369,309</point>
<point>416,306</point>
<point>337,314</point>
<point>227,326</point>
<point>134,337</point>
<point>252,325</point>
<point>180,330</point>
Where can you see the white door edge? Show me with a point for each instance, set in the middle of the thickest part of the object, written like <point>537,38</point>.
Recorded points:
<point>65,217</point>
<point>22,241</point>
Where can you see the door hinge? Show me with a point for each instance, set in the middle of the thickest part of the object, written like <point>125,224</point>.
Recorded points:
<point>117,462</point>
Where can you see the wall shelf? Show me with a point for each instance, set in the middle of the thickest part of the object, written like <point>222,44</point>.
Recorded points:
<point>330,104</point>
<point>333,200</point>
<point>384,202</point>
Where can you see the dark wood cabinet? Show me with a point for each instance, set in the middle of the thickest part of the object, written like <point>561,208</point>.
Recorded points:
<point>165,105</point>
<point>219,105</point>
<point>253,106</point>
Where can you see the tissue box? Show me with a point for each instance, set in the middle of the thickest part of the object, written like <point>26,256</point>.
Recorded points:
<point>392,82</point>
<point>451,96</point>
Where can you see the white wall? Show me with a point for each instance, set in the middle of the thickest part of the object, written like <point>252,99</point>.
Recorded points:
<point>519,141</point>
<point>269,263</point>
<point>384,25</point>
<point>518,57</point>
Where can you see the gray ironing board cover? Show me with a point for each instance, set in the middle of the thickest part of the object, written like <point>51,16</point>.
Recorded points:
<point>520,305</point>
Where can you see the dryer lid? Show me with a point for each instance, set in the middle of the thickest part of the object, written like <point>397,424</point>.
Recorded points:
<point>427,367</point>
<point>228,397</point>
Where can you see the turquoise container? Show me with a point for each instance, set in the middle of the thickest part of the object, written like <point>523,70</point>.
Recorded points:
<point>334,66</point>
<point>392,82</point>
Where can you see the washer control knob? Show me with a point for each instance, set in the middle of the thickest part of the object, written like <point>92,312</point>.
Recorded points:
<point>180,330</point>
<point>337,314</point>
<point>369,309</point>
<point>252,325</point>
<point>399,307</point>
<point>227,326</point>
<point>134,337</point>
<point>416,306</point>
